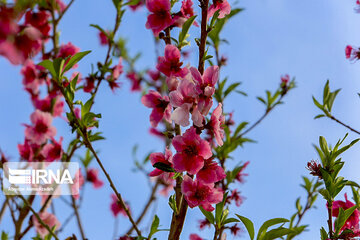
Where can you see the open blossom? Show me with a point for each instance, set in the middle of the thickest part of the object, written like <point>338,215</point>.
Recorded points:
<point>199,194</point>
<point>353,221</point>
<point>170,64</point>
<point>52,151</point>
<point>206,86</point>
<point>31,77</point>
<point>160,17</point>
<point>216,123</point>
<point>41,128</point>
<point>221,5</point>
<point>194,237</point>
<point>135,80</point>
<point>25,44</point>
<point>235,196</point>
<point>352,53</point>
<point>183,99</point>
<point>39,20</point>
<point>191,152</point>
<point>68,50</point>
<point>210,173</point>
<point>92,175</point>
<point>26,151</point>
<point>160,105</point>
<point>49,219</point>
<point>185,13</point>
<point>162,158</point>
<point>240,176</point>
<point>206,82</point>
<point>116,207</point>
<point>116,72</point>
<point>50,104</point>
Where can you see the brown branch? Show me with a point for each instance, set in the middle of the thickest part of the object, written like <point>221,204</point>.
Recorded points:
<point>343,124</point>
<point>78,219</point>
<point>330,219</point>
<point>3,208</point>
<point>204,15</point>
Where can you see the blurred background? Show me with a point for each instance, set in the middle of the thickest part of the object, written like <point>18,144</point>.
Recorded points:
<point>305,39</point>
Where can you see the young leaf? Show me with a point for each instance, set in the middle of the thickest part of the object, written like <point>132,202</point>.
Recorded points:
<point>209,216</point>
<point>75,59</point>
<point>248,224</point>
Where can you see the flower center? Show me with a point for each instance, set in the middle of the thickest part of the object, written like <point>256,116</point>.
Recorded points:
<point>191,150</point>
<point>41,127</point>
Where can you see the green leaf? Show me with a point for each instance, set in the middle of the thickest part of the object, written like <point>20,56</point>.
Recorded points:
<point>4,236</point>
<point>209,216</point>
<point>277,233</point>
<point>268,224</point>
<point>163,167</point>
<point>248,224</point>
<point>49,66</point>
<point>324,235</point>
<point>342,217</point>
<point>230,220</point>
<point>75,59</point>
<point>185,29</point>
<point>154,226</point>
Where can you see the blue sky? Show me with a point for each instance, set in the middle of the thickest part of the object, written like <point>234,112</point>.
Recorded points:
<point>305,39</point>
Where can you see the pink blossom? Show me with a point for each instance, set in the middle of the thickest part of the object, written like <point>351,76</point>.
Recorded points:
<point>49,219</point>
<point>116,207</point>
<point>235,196</point>
<point>116,72</point>
<point>210,173</point>
<point>216,124</point>
<point>285,79</point>
<point>89,84</point>
<point>221,5</point>
<point>353,221</point>
<point>103,38</point>
<point>31,77</point>
<point>78,183</point>
<point>204,223</point>
<point>52,151</point>
<point>53,105</point>
<point>9,51</point>
<point>157,133</point>
<point>185,13</point>
<point>172,83</point>
<point>199,194</point>
<point>160,17</point>
<point>41,128</point>
<point>160,158</point>
<point>92,175</point>
<point>206,85</point>
<point>170,64</point>
<point>154,74</point>
<point>160,105</point>
<point>68,50</point>
<point>39,20</point>
<point>240,176</point>
<point>352,53</point>
<point>26,151</point>
<point>183,99</point>
<point>191,152</point>
<point>135,80</point>
<point>194,237</point>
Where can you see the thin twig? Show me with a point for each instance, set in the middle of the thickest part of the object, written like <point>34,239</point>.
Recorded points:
<point>147,206</point>
<point>343,124</point>
<point>38,217</point>
<point>78,219</point>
